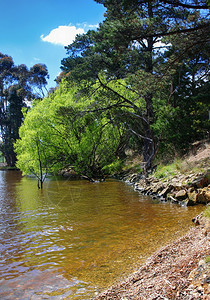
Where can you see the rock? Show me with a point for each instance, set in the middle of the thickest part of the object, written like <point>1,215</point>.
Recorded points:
<point>177,186</point>
<point>192,196</point>
<point>206,193</point>
<point>138,187</point>
<point>191,190</point>
<point>189,202</point>
<point>157,188</point>
<point>134,178</point>
<point>141,182</point>
<point>162,199</point>
<point>202,196</point>
<point>207,196</point>
<point>165,191</point>
<point>196,220</point>
<point>172,199</point>
<point>199,278</point>
<point>181,195</point>
<point>188,189</point>
<point>69,173</point>
<point>204,222</point>
<point>201,181</point>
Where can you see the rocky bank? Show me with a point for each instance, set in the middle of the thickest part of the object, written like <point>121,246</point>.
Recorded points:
<point>187,187</point>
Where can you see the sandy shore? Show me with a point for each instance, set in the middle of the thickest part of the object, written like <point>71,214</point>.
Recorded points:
<point>180,270</point>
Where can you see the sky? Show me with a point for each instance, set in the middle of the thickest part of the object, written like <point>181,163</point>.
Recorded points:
<point>36,31</point>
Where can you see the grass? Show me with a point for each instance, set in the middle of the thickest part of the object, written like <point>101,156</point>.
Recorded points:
<point>207,259</point>
<point>206,212</point>
<point>8,168</point>
<point>165,171</point>
<point>178,166</point>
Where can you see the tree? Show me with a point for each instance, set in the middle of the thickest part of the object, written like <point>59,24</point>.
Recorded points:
<point>37,143</point>
<point>16,88</point>
<point>11,122</point>
<point>38,79</point>
<point>190,90</point>
<point>134,43</point>
<point>61,131</point>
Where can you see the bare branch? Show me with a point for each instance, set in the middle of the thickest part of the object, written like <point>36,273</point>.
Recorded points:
<point>141,136</point>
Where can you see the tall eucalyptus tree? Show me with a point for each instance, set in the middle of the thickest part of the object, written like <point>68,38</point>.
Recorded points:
<point>16,88</point>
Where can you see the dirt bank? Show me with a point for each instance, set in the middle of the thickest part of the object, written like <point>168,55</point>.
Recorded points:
<point>180,270</point>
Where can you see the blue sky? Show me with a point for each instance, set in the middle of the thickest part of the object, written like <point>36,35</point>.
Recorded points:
<point>36,31</point>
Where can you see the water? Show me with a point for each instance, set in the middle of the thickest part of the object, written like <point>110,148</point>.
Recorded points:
<point>73,239</point>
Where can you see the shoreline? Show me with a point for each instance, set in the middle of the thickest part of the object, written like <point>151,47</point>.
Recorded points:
<point>184,189</point>
<point>180,270</point>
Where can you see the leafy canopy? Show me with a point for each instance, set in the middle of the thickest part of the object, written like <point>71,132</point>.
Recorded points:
<point>63,130</point>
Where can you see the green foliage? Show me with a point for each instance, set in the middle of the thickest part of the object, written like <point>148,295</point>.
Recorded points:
<point>206,212</point>
<point>114,167</point>
<point>139,81</point>
<point>166,81</point>
<point>58,132</point>
<point>1,158</point>
<point>166,171</point>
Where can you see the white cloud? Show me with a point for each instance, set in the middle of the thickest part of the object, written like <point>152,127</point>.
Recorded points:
<point>62,35</point>
<point>87,26</point>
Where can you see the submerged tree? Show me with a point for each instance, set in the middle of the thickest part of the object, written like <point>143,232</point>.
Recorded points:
<point>61,131</point>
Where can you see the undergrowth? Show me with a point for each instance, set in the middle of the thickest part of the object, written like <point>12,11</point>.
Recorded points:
<point>206,212</point>
<point>179,166</point>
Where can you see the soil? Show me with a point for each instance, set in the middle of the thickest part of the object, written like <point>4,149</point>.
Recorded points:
<point>180,270</point>
<point>199,155</point>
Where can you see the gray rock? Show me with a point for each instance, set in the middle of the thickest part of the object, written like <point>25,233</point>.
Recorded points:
<point>165,191</point>
<point>181,195</point>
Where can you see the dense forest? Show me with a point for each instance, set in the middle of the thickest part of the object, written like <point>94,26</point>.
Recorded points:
<point>138,83</point>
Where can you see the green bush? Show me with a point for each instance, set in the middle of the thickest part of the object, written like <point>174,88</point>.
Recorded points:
<point>114,167</point>
<point>1,158</point>
<point>165,171</point>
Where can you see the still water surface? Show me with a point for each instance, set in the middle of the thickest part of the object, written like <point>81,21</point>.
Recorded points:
<point>74,238</point>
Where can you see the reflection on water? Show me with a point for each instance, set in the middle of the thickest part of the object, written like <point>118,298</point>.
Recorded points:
<point>75,238</point>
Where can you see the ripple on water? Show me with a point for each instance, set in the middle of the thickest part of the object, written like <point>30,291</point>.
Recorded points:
<point>38,284</point>
<point>75,238</point>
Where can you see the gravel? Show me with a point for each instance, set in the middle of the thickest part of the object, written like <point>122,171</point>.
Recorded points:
<point>180,270</point>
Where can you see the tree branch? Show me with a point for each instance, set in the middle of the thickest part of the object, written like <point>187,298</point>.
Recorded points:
<point>139,135</point>
<point>116,93</point>
<point>177,3</point>
<point>161,34</point>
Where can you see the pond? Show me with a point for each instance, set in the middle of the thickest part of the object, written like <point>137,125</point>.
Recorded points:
<point>73,239</point>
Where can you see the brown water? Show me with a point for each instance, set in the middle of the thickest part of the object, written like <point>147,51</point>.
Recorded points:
<point>75,238</point>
